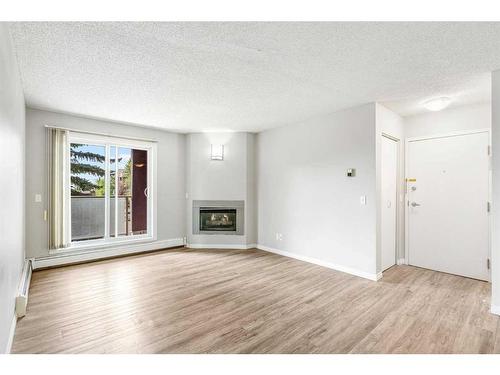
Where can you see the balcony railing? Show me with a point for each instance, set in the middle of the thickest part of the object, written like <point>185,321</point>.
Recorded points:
<point>88,219</point>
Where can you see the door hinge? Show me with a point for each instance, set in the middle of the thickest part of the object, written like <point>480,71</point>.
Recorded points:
<point>488,263</point>
<point>488,206</point>
<point>489,150</point>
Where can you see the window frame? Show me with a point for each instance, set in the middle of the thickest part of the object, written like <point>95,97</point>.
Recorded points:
<point>108,142</point>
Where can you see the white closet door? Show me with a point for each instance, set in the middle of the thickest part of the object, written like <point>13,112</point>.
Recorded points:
<point>389,175</point>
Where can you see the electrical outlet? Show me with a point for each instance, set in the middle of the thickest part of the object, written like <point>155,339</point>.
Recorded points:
<point>279,236</point>
<point>38,198</point>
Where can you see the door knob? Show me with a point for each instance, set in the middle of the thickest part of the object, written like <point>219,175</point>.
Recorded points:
<point>414,204</point>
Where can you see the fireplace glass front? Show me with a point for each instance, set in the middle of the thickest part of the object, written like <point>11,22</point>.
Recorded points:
<point>217,219</point>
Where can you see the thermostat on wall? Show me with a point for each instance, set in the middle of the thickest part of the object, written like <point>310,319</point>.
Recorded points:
<point>351,172</point>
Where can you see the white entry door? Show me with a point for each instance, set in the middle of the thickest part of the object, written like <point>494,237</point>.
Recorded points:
<point>389,191</point>
<point>448,189</point>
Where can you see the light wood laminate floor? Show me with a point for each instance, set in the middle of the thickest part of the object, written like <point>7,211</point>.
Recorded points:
<point>251,301</point>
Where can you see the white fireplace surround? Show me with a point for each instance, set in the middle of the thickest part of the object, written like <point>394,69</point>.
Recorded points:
<point>239,206</point>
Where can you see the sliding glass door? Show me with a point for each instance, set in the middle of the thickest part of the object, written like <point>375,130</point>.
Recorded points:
<point>128,191</point>
<point>109,188</point>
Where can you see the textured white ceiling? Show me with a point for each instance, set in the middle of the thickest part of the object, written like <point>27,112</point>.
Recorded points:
<point>249,76</point>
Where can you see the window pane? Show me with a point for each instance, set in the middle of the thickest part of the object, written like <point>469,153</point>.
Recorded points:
<point>132,191</point>
<point>87,170</point>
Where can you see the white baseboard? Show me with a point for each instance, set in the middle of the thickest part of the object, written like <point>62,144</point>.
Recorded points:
<point>12,332</point>
<point>225,246</point>
<point>401,261</point>
<point>87,255</point>
<point>495,310</point>
<point>336,267</point>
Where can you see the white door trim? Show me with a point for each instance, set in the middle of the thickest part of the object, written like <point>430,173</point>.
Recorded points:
<point>435,136</point>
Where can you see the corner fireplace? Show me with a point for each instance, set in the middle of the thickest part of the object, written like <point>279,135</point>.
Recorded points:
<point>218,217</point>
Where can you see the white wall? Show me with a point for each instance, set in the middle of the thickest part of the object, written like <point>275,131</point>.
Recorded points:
<point>12,144</point>
<point>495,228</point>
<point>390,123</point>
<point>251,200</point>
<point>304,194</point>
<point>469,117</point>
<point>230,179</point>
<point>283,177</point>
<point>171,211</point>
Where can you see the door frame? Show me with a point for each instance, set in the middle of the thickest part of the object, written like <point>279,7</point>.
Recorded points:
<point>436,136</point>
<point>397,251</point>
<point>108,241</point>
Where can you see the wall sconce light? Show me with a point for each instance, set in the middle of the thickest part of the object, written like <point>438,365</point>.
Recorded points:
<point>217,152</point>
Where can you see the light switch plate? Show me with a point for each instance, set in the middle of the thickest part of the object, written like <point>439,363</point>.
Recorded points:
<point>38,198</point>
<point>362,200</point>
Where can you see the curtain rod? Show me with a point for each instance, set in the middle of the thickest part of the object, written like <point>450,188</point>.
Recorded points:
<point>103,134</point>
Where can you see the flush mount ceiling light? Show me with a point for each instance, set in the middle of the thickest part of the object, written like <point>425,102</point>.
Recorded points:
<point>217,152</point>
<point>437,104</point>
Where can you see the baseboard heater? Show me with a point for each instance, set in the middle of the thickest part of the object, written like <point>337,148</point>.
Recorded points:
<point>24,287</point>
